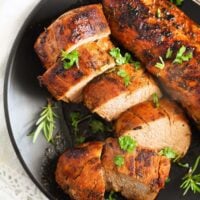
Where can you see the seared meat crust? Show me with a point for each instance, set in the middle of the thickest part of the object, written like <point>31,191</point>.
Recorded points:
<point>79,172</point>
<point>67,85</point>
<point>141,177</point>
<point>72,29</point>
<point>134,24</point>
<point>156,128</point>
<point>108,96</point>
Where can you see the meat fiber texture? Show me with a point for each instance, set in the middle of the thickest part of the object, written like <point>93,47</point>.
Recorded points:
<point>135,24</point>
<point>87,171</point>
<point>85,30</point>
<point>156,127</point>
<point>108,95</point>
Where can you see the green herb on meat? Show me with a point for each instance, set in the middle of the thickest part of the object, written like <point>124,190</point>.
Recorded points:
<point>127,143</point>
<point>182,56</point>
<point>161,64</point>
<point>69,59</point>
<point>119,160</point>
<point>155,100</point>
<point>169,153</point>
<point>169,53</point>
<point>123,74</point>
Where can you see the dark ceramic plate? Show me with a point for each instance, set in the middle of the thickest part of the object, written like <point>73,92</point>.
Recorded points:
<point>23,98</point>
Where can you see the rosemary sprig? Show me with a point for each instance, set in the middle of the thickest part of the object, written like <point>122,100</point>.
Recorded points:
<point>45,124</point>
<point>191,181</point>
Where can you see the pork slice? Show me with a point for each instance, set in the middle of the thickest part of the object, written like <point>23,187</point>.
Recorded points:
<point>141,177</point>
<point>157,128</point>
<point>108,96</point>
<point>135,24</point>
<point>70,30</point>
<point>80,174</point>
<point>67,85</point>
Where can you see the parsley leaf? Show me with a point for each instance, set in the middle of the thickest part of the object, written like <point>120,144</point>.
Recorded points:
<point>119,160</point>
<point>169,53</point>
<point>119,59</point>
<point>69,59</point>
<point>155,100</point>
<point>161,64</point>
<point>177,2</point>
<point>137,65</point>
<point>182,56</point>
<point>123,74</point>
<point>168,152</point>
<point>45,124</point>
<point>127,143</point>
<point>191,181</point>
<point>96,126</point>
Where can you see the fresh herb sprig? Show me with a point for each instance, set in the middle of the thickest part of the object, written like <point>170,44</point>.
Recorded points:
<point>119,160</point>
<point>177,2</point>
<point>127,143</point>
<point>119,59</point>
<point>127,58</point>
<point>126,77</point>
<point>161,64</point>
<point>182,56</point>
<point>155,100</point>
<point>191,181</point>
<point>69,59</point>
<point>169,153</point>
<point>46,123</point>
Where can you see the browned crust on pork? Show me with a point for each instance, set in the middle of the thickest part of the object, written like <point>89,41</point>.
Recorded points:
<point>69,30</point>
<point>135,25</point>
<point>79,172</point>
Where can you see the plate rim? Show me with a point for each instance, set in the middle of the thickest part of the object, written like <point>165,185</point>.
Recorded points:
<point>6,84</point>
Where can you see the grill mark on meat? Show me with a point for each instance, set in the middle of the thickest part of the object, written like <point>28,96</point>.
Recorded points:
<point>76,152</point>
<point>145,156</point>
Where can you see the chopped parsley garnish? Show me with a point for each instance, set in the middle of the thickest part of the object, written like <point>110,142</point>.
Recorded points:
<point>45,124</point>
<point>155,99</point>
<point>69,59</point>
<point>119,160</point>
<point>126,143</point>
<point>119,59</point>
<point>169,53</point>
<point>123,74</point>
<point>177,2</point>
<point>182,56</point>
<point>137,65</point>
<point>96,126</point>
<point>169,153</point>
<point>161,64</point>
<point>191,181</point>
<point>158,13</point>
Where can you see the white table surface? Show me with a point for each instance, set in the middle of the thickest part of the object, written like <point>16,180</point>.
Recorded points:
<point>14,183</point>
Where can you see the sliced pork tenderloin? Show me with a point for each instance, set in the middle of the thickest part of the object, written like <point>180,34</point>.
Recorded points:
<point>71,30</point>
<point>67,84</point>
<point>142,175</point>
<point>156,127</point>
<point>109,94</point>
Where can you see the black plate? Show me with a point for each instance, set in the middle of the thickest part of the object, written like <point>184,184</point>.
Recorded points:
<point>23,99</point>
